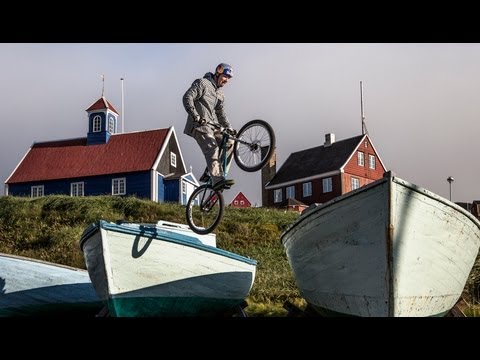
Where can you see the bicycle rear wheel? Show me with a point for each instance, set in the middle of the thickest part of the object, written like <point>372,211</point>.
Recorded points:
<point>254,145</point>
<point>204,209</point>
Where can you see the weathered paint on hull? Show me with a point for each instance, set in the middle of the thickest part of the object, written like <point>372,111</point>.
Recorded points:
<point>387,249</point>
<point>156,273</point>
<point>330,313</point>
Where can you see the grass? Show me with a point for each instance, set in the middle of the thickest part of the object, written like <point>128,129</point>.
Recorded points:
<point>49,228</point>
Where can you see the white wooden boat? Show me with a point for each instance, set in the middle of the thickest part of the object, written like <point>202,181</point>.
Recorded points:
<point>390,248</point>
<point>30,287</point>
<point>164,269</point>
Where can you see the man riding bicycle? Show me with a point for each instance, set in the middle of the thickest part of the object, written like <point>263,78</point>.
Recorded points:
<point>204,101</point>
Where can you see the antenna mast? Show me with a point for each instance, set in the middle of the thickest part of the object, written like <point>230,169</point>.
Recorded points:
<point>364,126</point>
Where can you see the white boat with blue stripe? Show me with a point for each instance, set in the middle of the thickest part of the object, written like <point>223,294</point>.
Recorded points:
<point>164,269</point>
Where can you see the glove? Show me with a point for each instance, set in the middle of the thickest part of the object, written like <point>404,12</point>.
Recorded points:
<point>200,121</point>
<point>231,131</point>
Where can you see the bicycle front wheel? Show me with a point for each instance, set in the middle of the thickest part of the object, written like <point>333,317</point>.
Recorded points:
<point>204,209</point>
<point>254,145</point>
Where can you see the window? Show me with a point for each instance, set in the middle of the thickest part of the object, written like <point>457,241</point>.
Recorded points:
<point>118,186</point>
<point>360,158</point>
<point>327,185</point>
<point>291,192</point>
<point>277,195</point>
<point>111,125</point>
<point>76,189</point>
<point>97,123</point>
<point>173,159</point>
<point>236,202</point>
<point>371,161</point>
<point>307,189</point>
<point>365,144</point>
<point>184,187</point>
<point>36,191</point>
<point>242,202</point>
<point>355,183</point>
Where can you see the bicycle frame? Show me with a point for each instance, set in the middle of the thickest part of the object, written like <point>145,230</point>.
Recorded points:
<point>223,152</point>
<point>252,147</point>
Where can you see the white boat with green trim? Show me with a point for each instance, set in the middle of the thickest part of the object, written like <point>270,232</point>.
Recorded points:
<point>30,287</point>
<point>390,248</point>
<point>164,269</point>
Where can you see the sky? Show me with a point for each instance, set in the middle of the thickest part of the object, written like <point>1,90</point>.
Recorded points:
<point>420,100</point>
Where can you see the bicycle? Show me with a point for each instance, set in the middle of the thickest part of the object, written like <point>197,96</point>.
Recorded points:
<point>253,147</point>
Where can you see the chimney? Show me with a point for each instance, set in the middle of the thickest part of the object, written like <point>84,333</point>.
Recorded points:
<point>329,139</point>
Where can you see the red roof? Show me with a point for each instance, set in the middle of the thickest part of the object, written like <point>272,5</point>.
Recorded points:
<point>123,153</point>
<point>102,104</point>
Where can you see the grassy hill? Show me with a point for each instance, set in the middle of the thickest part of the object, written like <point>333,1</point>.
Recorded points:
<point>49,228</point>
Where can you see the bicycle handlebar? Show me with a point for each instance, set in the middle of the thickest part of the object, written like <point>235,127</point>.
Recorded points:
<point>231,132</point>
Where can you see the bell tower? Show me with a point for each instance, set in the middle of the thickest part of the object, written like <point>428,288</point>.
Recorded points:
<point>102,122</point>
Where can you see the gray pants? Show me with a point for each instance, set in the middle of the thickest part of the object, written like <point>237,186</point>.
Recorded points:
<point>210,144</point>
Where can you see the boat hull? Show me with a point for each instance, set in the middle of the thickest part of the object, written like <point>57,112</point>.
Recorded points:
<point>143,270</point>
<point>30,287</point>
<point>390,248</point>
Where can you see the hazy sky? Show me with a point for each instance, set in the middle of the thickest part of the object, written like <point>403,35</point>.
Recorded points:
<point>421,101</point>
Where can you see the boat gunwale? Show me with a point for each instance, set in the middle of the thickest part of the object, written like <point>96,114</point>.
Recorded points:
<point>176,238</point>
<point>388,176</point>
<point>39,261</point>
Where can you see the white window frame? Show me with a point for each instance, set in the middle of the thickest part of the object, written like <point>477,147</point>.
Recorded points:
<point>236,202</point>
<point>327,185</point>
<point>97,123</point>
<point>77,189</point>
<point>37,191</point>
<point>290,192</point>
<point>360,158</point>
<point>184,187</point>
<point>242,202</point>
<point>173,159</point>
<point>354,183</point>
<point>111,125</point>
<point>307,189</point>
<point>277,195</point>
<point>119,186</point>
<point>371,161</point>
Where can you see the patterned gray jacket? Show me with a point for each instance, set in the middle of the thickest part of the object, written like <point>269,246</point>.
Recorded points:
<point>204,99</point>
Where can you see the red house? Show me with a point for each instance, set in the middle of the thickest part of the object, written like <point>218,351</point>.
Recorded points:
<point>322,173</point>
<point>240,201</point>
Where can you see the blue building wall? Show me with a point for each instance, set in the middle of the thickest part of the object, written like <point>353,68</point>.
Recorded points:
<point>172,190</point>
<point>161,189</point>
<point>137,184</point>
